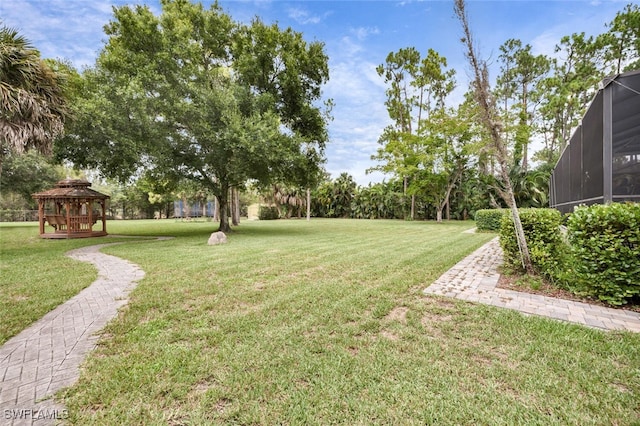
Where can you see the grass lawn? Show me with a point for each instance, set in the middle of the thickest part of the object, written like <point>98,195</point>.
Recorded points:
<point>321,322</point>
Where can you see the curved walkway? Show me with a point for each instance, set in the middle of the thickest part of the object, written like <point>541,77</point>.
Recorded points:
<point>46,356</point>
<point>475,278</point>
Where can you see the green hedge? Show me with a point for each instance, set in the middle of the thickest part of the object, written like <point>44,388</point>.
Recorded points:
<point>605,241</point>
<point>489,219</point>
<point>544,240</point>
<point>601,257</point>
<point>268,213</point>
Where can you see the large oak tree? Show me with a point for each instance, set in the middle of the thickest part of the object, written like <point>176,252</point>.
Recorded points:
<point>192,94</point>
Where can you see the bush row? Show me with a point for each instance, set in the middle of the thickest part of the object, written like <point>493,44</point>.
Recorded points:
<point>268,213</point>
<point>599,258</point>
<point>489,219</point>
<point>544,240</point>
<point>606,240</point>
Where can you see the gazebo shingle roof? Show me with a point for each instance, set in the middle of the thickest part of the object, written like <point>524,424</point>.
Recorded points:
<point>71,188</point>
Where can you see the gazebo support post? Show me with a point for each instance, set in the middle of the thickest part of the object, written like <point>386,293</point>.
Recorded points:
<point>67,205</point>
<point>90,215</point>
<point>104,216</point>
<point>41,216</point>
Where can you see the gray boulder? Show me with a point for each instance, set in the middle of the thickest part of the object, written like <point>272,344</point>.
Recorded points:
<point>217,238</point>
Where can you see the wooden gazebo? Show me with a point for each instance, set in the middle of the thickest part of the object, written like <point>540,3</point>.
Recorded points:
<point>71,209</point>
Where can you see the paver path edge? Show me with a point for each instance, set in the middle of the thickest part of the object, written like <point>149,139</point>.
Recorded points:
<point>46,356</point>
<point>475,278</point>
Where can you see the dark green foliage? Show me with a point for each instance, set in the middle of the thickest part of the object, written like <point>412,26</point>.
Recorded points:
<point>191,94</point>
<point>605,240</point>
<point>23,175</point>
<point>268,213</point>
<point>544,239</point>
<point>489,219</point>
<point>601,258</point>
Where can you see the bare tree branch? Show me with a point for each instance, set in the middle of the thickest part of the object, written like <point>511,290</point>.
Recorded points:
<point>489,119</point>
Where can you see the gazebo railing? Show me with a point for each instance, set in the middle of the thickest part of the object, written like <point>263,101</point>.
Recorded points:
<point>82,223</point>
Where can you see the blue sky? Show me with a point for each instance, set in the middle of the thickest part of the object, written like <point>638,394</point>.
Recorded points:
<point>358,35</point>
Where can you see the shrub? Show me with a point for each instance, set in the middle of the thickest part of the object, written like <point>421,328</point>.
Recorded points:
<point>268,213</point>
<point>544,240</point>
<point>605,241</point>
<point>489,219</point>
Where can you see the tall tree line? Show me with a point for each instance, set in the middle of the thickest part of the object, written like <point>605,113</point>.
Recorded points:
<point>538,100</point>
<point>191,95</point>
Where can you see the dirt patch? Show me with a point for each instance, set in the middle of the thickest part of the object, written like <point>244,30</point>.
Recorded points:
<point>201,387</point>
<point>353,350</point>
<point>494,357</point>
<point>19,298</point>
<point>432,321</point>
<point>432,317</point>
<point>398,314</point>
<point>620,387</point>
<point>389,335</point>
<point>221,405</point>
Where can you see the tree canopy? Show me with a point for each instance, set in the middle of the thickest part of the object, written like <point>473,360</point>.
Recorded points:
<point>190,94</point>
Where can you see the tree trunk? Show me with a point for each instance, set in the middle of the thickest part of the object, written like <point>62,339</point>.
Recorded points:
<point>488,113</point>
<point>525,122</point>
<point>223,197</point>
<point>404,198</point>
<point>308,204</point>
<point>448,207</point>
<point>510,199</point>
<point>235,207</point>
<point>413,206</point>
<point>445,201</point>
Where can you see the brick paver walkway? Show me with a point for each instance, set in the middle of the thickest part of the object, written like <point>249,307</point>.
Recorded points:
<point>475,278</point>
<point>46,356</point>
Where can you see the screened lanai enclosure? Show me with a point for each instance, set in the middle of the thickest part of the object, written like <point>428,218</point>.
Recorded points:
<point>601,163</point>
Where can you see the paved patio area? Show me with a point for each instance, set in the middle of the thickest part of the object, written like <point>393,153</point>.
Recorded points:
<point>475,278</point>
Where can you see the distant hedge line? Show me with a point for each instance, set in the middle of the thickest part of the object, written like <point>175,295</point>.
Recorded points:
<point>599,256</point>
<point>489,219</point>
<point>268,213</point>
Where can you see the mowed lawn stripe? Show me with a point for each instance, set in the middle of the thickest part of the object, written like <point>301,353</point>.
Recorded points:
<point>330,326</point>
<point>325,323</point>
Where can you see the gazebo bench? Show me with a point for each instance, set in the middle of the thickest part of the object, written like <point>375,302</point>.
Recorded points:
<point>57,221</point>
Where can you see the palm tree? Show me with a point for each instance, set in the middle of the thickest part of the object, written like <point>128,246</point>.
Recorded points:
<point>344,190</point>
<point>32,105</point>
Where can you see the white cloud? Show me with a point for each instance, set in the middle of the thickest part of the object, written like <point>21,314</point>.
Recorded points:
<point>359,117</point>
<point>363,33</point>
<point>68,29</point>
<point>304,17</point>
<point>590,19</point>
<point>545,43</point>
